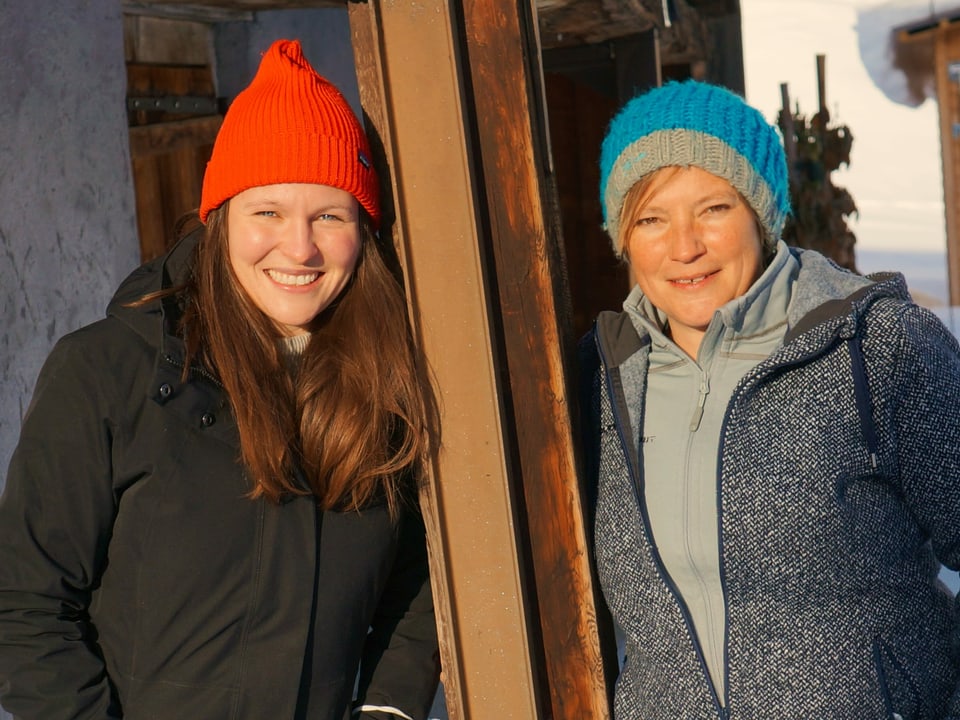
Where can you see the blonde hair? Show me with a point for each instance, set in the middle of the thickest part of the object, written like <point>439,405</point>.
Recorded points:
<point>636,200</point>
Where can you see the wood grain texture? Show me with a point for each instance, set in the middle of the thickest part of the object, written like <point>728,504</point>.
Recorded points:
<point>521,207</point>
<point>415,107</point>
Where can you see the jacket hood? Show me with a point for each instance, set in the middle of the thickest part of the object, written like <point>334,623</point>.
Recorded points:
<point>156,318</point>
<point>825,292</point>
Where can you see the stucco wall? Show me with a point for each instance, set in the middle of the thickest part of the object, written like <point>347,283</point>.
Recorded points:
<point>67,224</point>
<point>324,34</point>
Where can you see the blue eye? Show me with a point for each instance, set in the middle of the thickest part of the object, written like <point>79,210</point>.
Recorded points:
<point>335,216</point>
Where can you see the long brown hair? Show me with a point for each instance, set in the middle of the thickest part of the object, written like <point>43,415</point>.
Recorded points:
<point>358,421</point>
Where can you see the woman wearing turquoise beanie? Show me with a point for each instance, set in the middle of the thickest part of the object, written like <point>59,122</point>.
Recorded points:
<point>771,440</point>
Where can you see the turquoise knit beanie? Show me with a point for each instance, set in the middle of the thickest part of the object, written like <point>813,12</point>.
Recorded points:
<point>694,123</point>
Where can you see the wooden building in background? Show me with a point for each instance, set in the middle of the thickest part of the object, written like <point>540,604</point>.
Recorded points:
<point>486,117</point>
<point>928,52</point>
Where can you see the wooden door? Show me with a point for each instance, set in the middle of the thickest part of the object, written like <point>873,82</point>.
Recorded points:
<point>174,115</point>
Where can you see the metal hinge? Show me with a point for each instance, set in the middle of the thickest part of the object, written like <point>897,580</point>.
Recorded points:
<point>195,105</point>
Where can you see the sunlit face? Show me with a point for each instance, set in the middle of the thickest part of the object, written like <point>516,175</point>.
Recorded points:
<point>293,248</point>
<point>695,245</point>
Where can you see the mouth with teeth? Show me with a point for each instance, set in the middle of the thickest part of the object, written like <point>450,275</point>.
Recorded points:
<point>692,281</point>
<point>292,279</point>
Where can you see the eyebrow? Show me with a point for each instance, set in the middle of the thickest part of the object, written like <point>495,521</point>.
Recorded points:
<point>725,195</point>
<point>259,202</point>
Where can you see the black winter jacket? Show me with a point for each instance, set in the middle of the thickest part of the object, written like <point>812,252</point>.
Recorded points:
<point>137,580</point>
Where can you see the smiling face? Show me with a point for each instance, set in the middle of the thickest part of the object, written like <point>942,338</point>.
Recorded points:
<point>293,248</point>
<point>693,244</point>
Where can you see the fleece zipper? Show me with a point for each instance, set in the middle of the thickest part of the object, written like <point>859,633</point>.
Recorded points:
<point>635,471</point>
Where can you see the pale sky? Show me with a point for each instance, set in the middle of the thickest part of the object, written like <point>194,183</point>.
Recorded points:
<point>895,175</point>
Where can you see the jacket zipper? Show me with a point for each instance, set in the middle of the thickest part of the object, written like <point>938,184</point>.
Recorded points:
<point>194,370</point>
<point>633,470</point>
<point>701,400</point>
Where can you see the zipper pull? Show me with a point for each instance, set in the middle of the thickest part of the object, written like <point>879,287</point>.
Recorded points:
<point>701,401</point>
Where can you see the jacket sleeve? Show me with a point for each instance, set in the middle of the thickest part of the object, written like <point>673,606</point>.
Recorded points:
<point>56,514</point>
<point>400,669</point>
<point>928,428</point>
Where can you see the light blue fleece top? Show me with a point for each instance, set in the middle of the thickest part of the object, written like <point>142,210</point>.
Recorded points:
<point>686,401</point>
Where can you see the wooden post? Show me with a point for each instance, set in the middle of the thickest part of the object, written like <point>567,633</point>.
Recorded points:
<point>453,93</point>
<point>789,132</point>
<point>411,87</point>
<point>521,203</point>
<point>822,85</point>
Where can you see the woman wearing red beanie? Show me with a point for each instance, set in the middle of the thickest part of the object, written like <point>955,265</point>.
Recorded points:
<point>211,511</point>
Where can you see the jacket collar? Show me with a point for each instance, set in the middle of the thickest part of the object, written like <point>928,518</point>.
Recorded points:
<point>833,298</point>
<point>157,321</point>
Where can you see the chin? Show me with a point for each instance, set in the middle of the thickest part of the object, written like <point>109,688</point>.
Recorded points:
<point>293,325</point>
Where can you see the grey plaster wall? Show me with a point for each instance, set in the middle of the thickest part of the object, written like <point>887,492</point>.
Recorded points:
<point>67,216</point>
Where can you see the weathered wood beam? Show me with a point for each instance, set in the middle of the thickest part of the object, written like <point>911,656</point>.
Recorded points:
<point>408,67</point>
<point>185,12</point>
<point>198,6</point>
<point>522,208</point>
<point>584,22</point>
<point>461,206</point>
<point>561,22</point>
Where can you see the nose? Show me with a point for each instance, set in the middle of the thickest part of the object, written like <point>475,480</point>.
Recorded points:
<point>686,244</point>
<point>299,244</point>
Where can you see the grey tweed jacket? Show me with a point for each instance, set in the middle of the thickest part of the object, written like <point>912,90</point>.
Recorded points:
<point>838,491</point>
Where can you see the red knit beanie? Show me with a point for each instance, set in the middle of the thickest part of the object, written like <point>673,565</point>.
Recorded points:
<point>290,125</point>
